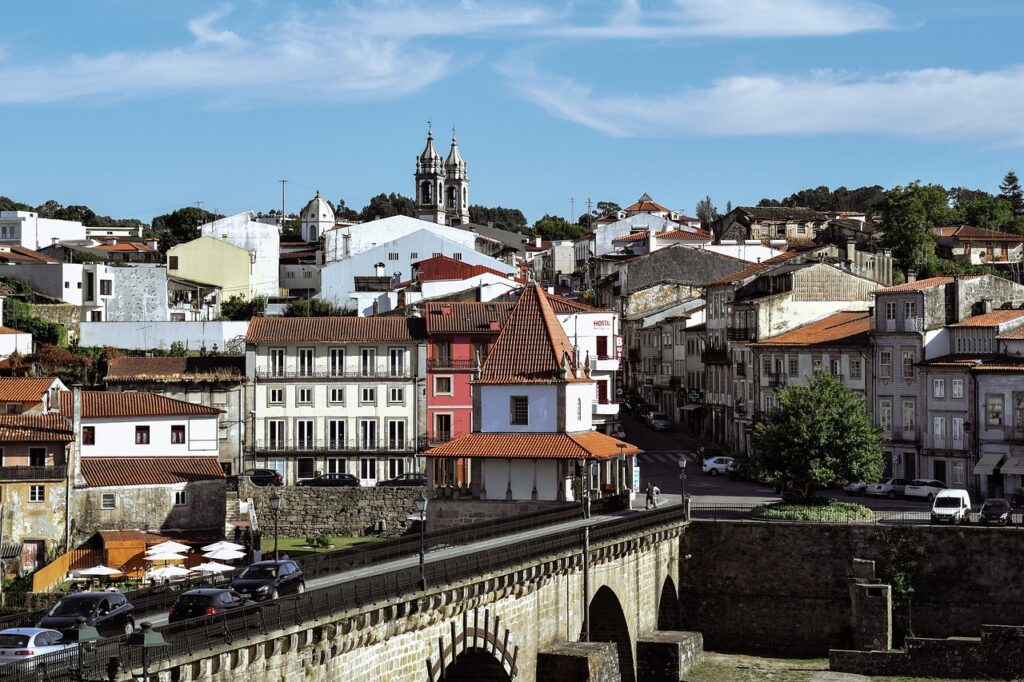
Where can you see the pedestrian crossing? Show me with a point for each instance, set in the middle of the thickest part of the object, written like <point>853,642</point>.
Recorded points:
<point>666,457</point>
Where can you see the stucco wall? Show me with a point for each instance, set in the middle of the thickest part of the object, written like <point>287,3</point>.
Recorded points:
<point>543,408</point>
<point>215,262</point>
<point>135,336</point>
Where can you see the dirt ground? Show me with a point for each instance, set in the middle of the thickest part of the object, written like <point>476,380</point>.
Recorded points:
<point>738,668</point>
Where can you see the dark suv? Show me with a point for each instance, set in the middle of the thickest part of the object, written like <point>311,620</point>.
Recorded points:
<point>330,480</point>
<point>108,612</point>
<point>269,580</point>
<point>403,480</point>
<point>263,477</point>
<point>207,601</point>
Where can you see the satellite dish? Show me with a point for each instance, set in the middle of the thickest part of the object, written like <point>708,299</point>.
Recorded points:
<point>618,391</point>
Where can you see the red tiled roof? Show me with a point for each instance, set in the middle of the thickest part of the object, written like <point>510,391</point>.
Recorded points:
<point>632,237</point>
<point>702,235</point>
<point>118,471</point>
<point>335,329</point>
<point>14,253</point>
<point>142,369</point>
<point>125,246</point>
<point>445,268</point>
<point>753,270</point>
<point>923,284</point>
<point>849,327</point>
<point>532,346</point>
<point>37,428</point>
<point>476,317</point>
<point>24,389</point>
<point>992,319</point>
<point>646,205</point>
<point>560,304</point>
<point>967,233</point>
<point>8,330</point>
<point>685,219</point>
<point>575,446</point>
<point>105,404</point>
<point>1013,335</point>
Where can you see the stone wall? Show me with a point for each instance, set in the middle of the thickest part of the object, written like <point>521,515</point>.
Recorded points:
<point>66,314</point>
<point>450,513</point>
<point>784,588</point>
<point>335,511</point>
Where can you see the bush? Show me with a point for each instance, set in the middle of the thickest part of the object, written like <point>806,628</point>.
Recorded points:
<point>323,541</point>
<point>311,540</point>
<point>822,510</point>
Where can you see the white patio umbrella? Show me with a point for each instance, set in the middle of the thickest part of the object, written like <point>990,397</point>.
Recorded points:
<point>100,570</point>
<point>225,555</point>
<point>169,546</point>
<point>212,567</point>
<point>165,556</point>
<point>169,572</point>
<point>223,544</point>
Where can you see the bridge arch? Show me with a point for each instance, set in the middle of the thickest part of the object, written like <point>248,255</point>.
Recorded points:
<point>478,650</point>
<point>669,608</point>
<point>608,624</point>
<point>476,664</point>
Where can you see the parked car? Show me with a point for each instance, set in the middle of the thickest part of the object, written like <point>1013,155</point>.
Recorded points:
<point>330,480</point>
<point>263,477</point>
<point>109,612</point>
<point>207,601</point>
<point>716,465</point>
<point>659,421</point>
<point>855,488</point>
<point>404,480</point>
<point>923,488</point>
<point>617,431</point>
<point>20,644</point>
<point>890,487</point>
<point>269,580</point>
<point>952,506</point>
<point>996,510</point>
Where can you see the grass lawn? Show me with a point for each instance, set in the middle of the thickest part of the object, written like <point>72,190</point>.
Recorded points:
<point>296,547</point>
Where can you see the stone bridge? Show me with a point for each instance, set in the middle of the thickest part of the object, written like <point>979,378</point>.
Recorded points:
<point>510,620</point>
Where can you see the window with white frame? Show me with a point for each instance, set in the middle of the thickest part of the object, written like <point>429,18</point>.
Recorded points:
<point>368,361</point>
<point>885,415</point>
<point>304,395</point>
<point>909,415</point>
<point>766,365</point>
<point>368,434</point>
<point>108,501</point>
<point>939,430</point>
<point>396,467</point>
<point>396,362</point>
<point>367,395</point>
<point>396,434</point>
<point>396,395</point>
<point>890,310</point>
<point>304,434</point>
<point>908,364</point>
<point>958,388</point>
<point>180,498</point>
<point>305,362</point>
<point>938,388</point>
<point>794,366</point>
<point>958,473</point>
<point>885,364</point>
<point>275,396</point>
<point>336,395</point>
<point>958,429</point>
<point>994,410</point>
<point>335,465</point>
<point>855,368</point>
<point>337,362</point>
<point>37,493</point>
<point>275,433</point>
<point>909,309</point>
<point>336,434</point>
<point>442,385</point>
<point>276,361</point>
<point>368,468</point>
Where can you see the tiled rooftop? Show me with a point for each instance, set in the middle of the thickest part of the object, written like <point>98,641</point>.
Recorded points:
<point>682,235</point>
<point>24,389</point>
<point>849,327</point>
<point>968,233</point>
<point>441,268</point>
<point>112,404</point>
<point>573,446</point>
<point>36,428</point>
<point>633,237</point>
<point>335,329</point>
<point>200,369</point>
<point>118,471</point>
<point>992,319</point>
<point>923,284</point>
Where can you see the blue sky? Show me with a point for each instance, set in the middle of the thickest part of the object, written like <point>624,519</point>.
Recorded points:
<point>139,107</point>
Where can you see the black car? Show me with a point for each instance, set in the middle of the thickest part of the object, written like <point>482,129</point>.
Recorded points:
<point>207,601</point>
<point>997,511</point>
<point>269,580</point>
<point>332,480</point>
<point>404,480</point>
<point>108,612</point>
<point>263,477</point>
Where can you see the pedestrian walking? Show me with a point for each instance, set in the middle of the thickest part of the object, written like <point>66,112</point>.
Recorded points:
<point>657,495</point>
<point>650,496</point>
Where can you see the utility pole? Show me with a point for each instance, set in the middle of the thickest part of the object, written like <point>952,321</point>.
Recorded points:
<point>283,183</point>
<point>572,209</point>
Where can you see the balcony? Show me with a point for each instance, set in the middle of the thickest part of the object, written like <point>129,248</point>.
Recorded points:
<point>439,438</point>
<point>740,333</point>
<point>29,473</point>
<point>775,379</point>
<point>434,364</point>
<point>603,363</point>
<point>606,407</point>
<point>340,375</point>
<point>300,446</point>
<point>714,355</point>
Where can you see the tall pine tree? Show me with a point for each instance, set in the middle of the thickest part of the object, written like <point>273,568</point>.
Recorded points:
<point>1009,189</point>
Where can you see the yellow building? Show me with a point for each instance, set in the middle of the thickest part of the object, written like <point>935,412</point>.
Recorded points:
<point>213,261</point>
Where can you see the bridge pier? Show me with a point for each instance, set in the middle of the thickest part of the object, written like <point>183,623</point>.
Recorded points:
<point>579,662</point>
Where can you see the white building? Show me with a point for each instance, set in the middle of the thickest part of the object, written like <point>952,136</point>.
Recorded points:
<point>336,395</point>
<point>262,241</point>
<point>351,240</point>
<point>27,229</point>
<point>316,218</point>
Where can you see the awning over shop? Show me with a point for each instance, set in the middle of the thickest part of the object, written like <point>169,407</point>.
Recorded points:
<point>988,463</point>
<point>1014,465</point>
<point>687,408</point>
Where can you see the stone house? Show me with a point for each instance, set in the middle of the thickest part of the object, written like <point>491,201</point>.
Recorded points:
<point>30,394</point>
<point>796,224</point>
<point>978,246</point>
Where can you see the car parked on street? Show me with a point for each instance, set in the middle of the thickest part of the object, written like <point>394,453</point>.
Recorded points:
<point>996,511</point>
<point>269,580</point>
<point>20,644</point>
<point>330,480</point>
<point>404,480</point>
<point>206,601</point>
<point>659,421</point>
<point>716,465</point>
<point>263,477</point>
<point>951,505</point>
<point>923,489</point>
<point>890,487</point>
<point>109,612</point>
<point>855,488</point>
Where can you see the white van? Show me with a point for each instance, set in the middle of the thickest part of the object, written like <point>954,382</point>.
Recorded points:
<point>951,505</point>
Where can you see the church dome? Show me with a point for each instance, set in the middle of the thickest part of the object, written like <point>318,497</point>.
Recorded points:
<point>430,156</point>
<point>318,210</point>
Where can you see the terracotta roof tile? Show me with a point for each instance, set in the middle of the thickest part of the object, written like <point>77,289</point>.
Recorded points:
<point>683,235</point>
<point>847,328</point>
<point>200,369</point>
<point>560,304</point>
<point>967,233</point>
<point>476,317</point>
<point>14,253</point>
<point>758,268</point>
<point>923,284</point>
<point>646,205</point>
<point>992,319</point>
<point>125,246</point>
<point>111,404</point>
<point>633,237</point>
<point>574,446</point>
<point>118,471</point>
<point>781,213</point>
<point>335,329</point>
<point>1014,334</point>
<point>685,219</point>
<point>441,268</point>
<point>36,428</point>
<point>24,389</point>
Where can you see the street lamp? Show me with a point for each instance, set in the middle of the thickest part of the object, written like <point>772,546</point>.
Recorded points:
<point>421,507</point>
<point>682,480</point>
<point>147,638</point>
<point>910,612</point>
<point>275,505</point>
<point>85,635</point>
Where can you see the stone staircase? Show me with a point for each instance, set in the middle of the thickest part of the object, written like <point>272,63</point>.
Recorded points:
<point>236,514</point>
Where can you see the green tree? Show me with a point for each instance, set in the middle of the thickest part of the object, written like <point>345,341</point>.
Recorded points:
<point>8,204</point>
<point>989,212</point>
<point>862,199</point>
<point>238,308</point>
<point>909,213</point>
<point>1010,190</point>
<point>707,212</point>
<point>314,307</point>
<point>818,433</point>
<point>503,218</point>
<point>556,228</point>
<point>606,207</point>
<point>343,212</point>
<point>181,226</point>
<point>387,205</point>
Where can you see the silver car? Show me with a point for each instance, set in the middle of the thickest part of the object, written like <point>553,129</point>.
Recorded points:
<point>21,644</point>
<point>659,421</point>
<point>890,487</point>
<point>926,488</point>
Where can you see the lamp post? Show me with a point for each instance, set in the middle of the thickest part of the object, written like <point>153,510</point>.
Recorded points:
<point>147,638</point>
<point>84,635</point>
<point>682,481</point>
<point>275,505</point>
<point>421,507</point>
<point>910,612</point>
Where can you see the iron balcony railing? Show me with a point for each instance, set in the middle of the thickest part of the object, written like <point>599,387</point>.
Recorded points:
<point>715,355</point>
<point>33,473</point>
<point>740,334</point>
<point>339,375</point>
<point>331,445</point>
<point>447,363</point>
<point>439,438</point>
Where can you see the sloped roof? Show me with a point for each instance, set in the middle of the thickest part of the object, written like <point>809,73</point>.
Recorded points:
<point>701,235</point>
<point>646,205</point>
<point>753,270</point>
<point>15,253</point>
<point>119,471</point>
<point>967,233</point>
<point>633,237</point>
<point>198,369</point>
<point>679,264</point>
<point>923,284</point>
<point>992,319</point>
<point>441,268</point>
<point>335,329</point>
<point>476,317</point>
<point>112,404</point>
<point>781,213</point>
<point>532,346</point>
<point>581,445</point>
<point>847,328</point>
<point>37,428</point>
<point>24,389</point>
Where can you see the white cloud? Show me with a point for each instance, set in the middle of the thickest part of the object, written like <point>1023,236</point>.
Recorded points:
<point>945,104</point>
<point>737,19</point>
<point>202,29</point>
<point>406,19</point>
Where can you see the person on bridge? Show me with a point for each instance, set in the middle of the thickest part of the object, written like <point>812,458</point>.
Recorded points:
<point>652,492</point>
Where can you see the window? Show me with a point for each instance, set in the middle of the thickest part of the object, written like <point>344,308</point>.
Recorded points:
<point>396,434</point>
<point>142,435</point>
<point>337,396</point>
<point>275,396</point>
<point>37,493</point>
<point>457,255</point>
<point>413,255</point>
<point>908,364</point>
<point>37,457</point>
<point>938,388</point>
<point>172,263</point>
<point>909,310</point>
<point>794,367</point>
<point>890,310</point>
<point>396,396</point>
<point>437,254</point>
<point>88,435</point>
<point>958,473</point>
<point>96,316</point>
<point>336,434</point>
<point>520,410</point>
<point>306,274</point>
<point>335,465</point>
<point>304,434</point>
<point>306,467</point>
<point>367,468</point>
<point>939,430</point>
<point>885,364</point>
<point>392,256</point>
<point>367,361</point>
<point>106,286</point>
<point>305,362</point>
<point>337,362</point>
<point>909,415</point>
<point>958,430</point>
<point>275,433</point>
<point>305,396</point>
<point>367,394</point>
<point>994,410</point>
<point>396,467</point>
<point>180,498</point>
<point>442,386</point>
<point>835,366</point>
<point>396,362</point>
<point>178,433</point>
<point>958,388</point>
<point>277,362</point>
<point>579,409</point>
<point>442,353</point>
<point>766,365</point>
<point>885,415</point>
<point>368,434</point>
<point>108,501</point>
<point>855,368</point>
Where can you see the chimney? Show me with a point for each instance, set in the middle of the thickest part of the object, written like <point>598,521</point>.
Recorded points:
<point>378,270</point>
<point>537,241</point>
<point>911,276</point>
<point>446,310</point>
<point>110,241</point>
<point>986,306</point>
<point>153,243</point>
<point>851,249</point>
<point>75,465</point>
<point>494,326</point>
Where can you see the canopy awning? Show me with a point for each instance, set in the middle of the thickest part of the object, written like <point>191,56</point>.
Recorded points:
<point>1014,465</point>
<point>687,408</point>
<point>988,463</point>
